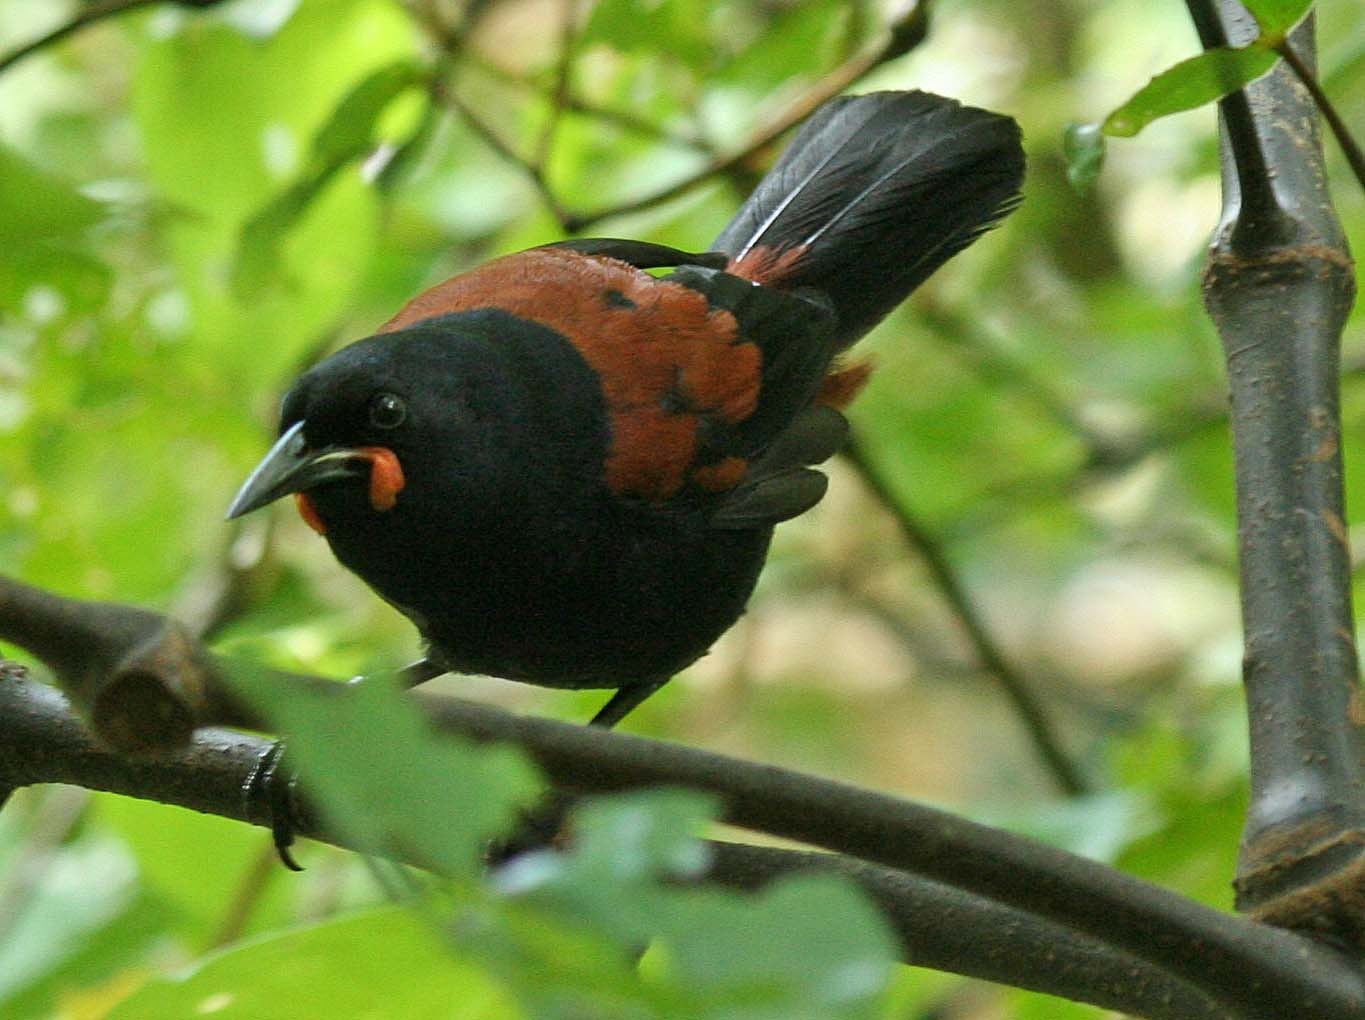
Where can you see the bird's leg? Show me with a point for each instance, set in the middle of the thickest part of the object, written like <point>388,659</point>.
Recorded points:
<point>268,792</point>
<point>623,702</point>
<point>419,672</point>
<point>540,825</point>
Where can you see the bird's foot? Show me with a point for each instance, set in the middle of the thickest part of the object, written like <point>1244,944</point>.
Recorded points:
<point>538,828</point>
<point>271,792</point>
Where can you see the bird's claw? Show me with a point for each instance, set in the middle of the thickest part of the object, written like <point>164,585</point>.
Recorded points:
<point>270,791</point>
<point>539,827</point>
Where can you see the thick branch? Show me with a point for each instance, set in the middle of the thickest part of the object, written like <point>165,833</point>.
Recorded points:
<point>1254,971</point>
<point>942,927</point>
<point>1279,288</point>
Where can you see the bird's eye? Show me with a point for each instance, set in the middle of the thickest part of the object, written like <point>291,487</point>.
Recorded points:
<point>387,411</point>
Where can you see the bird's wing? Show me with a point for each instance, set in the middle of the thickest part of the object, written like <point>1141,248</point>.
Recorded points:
<point>706,376</point>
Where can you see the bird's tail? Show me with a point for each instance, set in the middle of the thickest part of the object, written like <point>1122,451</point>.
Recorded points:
<point>875,193</point>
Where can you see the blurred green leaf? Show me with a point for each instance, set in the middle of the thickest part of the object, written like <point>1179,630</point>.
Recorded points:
<point>807,946</point>
<point>1083,146</point>
<point>171,847</point>
<point>347,135</point>
<point>637,26</point>
<point>253,140</point>
<point>374,966</point>
<point>113,956</point>
<point>1190,84</point>
<point>1277,17</point>
<point>350,131</point>
<point>37,206</point>
<point>83,887</point>
<point>386,780</point>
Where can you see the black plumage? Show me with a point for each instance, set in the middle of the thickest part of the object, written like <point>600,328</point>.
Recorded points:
<point>567,471</point>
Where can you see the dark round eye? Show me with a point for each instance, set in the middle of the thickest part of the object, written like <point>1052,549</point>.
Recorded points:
<point>387,411</point>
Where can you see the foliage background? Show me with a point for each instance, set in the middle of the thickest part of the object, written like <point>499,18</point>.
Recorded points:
<point>177,242</point>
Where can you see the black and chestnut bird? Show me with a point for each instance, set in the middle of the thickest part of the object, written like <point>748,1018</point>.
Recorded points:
<point>566,471</point>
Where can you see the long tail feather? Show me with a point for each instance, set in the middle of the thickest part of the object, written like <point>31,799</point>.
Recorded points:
<point>874,194</point>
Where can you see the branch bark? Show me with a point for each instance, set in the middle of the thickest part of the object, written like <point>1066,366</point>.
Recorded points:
<point>1279,286</point>
<point>1250,971</point>
<point>42,740</point>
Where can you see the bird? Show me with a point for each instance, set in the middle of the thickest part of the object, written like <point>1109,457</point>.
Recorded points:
<point>565,469</point>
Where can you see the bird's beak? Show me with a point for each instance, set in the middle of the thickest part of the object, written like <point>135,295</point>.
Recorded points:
<point>291,467</point>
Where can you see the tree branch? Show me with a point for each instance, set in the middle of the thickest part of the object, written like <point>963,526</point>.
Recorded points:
<point>1279,287</point>
<point>42,741</point>
<point>903,35</point>
<point>1251,970</point>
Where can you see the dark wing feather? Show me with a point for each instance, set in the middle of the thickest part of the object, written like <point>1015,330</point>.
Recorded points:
<point>878,191</point>
<point>793,331</point>
<point>641,254</point>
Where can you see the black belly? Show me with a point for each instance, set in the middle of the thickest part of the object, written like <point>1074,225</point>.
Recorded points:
<point>634,598</point>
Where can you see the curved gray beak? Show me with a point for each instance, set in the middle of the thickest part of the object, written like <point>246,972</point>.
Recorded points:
<point>291,467</point>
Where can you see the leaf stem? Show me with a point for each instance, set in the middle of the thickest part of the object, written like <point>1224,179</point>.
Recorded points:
<point>1349,146</point>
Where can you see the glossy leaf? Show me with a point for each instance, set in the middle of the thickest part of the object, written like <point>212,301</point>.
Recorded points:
<point>385,963</point>
<point>1277,17</point>
<point>1188,85</point>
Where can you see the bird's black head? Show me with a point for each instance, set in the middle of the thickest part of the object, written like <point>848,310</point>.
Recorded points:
<point>449,424</point>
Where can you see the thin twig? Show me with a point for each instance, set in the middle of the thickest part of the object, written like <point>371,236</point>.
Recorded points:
<point>1004,499</point>
<point>559,95</point>
<point>250,890</point>
<point>622,118</point>
<point>904,36</point>
<point>1349,146</point>
<point>88,15</point>
<point>1016,687</point>
<point>968,339</point>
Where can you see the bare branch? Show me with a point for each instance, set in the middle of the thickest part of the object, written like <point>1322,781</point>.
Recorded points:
<point>939,925</point>
<point>1279,287</point>
<point>1253,971</point>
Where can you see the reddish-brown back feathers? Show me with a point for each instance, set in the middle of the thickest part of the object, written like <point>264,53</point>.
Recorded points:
<point>666,359</point>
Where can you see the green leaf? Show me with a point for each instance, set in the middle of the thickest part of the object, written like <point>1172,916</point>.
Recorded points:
<point>637,26</point>
<point>82,888</point>
<point>383,963</point>
<point>347,135</point>
<point>1083,146</point>
<point>808,946</point>
<point>259,254</point>
<point>386,780</point>
<point>38,206</point>
<point>1277,17</point>
<point>349,131</point>
<point>1190,84</point>
<point>255,143</point>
